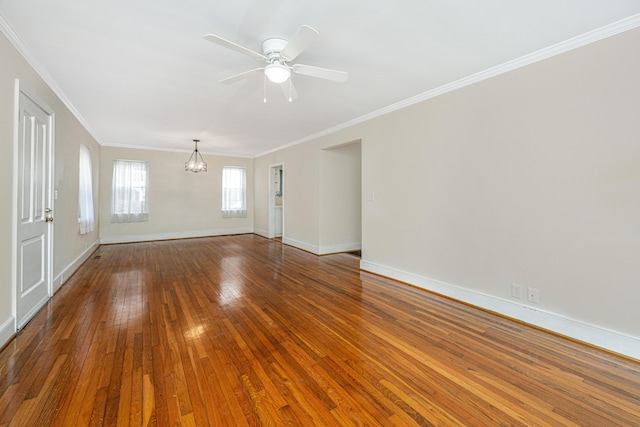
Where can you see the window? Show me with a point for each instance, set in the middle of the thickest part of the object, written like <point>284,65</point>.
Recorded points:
<point>234,192</point>
<point>129,193</point>
<point>85,191</point>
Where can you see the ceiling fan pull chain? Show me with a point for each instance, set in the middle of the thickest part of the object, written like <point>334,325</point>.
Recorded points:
<point>290,90</point>
<point>265,89</point>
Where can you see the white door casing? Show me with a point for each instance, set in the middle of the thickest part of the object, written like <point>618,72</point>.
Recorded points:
<point>34,228</point>
<point>276,219</point>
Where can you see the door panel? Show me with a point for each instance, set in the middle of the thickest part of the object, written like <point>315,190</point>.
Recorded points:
<point>32,259</point>
<point>34,227</point>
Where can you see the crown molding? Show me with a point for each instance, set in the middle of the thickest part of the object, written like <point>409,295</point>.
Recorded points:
<point>22,48</point>
<point>593,36</point>
<point>174,150</point>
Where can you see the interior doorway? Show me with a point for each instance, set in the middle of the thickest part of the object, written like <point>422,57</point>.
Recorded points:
<point>340,198</point>
<point>276,200</point>
<point>34,208</point>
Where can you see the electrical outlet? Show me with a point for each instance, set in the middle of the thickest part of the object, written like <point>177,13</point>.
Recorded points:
<point>533,295</point>
<point>516,291</point>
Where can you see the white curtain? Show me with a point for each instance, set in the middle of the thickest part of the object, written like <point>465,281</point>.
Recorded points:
<point>234,192</point>
<point>85,192</point>
<point>129,194</point>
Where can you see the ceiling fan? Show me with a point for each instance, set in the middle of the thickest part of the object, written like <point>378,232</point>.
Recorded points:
<point>277,53</point>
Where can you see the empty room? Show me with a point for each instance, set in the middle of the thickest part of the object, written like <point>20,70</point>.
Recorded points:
<point>277,212</point>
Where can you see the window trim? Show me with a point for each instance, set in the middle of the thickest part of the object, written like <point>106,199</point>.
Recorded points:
<point>227,198</point>
<point>123,195</point>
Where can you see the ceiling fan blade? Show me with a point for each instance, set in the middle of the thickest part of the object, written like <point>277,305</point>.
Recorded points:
<point>289,90</point>
<point>299,42</point>
<point>323,73</point>
<point>240,76</point>
<point>233,46</point>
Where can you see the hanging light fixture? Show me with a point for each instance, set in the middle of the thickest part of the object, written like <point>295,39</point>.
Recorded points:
<point>195,163</point>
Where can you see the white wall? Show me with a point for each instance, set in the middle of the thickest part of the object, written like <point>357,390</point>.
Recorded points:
<point>300,200</point>
<point>531,177</point>
<point>70,249</point>
<point>181,204</point>
<point>340,202</point>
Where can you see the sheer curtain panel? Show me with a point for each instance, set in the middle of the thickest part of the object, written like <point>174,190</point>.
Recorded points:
<point>85,192</point>
<point>234,192</point>
<point>129,194</point>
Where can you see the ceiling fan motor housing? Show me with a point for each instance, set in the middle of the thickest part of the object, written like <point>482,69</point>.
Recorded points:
<point>271,48</point>
<point>277,71</point>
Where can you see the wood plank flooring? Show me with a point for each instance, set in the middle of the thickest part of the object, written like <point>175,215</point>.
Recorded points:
<point>241,330</point>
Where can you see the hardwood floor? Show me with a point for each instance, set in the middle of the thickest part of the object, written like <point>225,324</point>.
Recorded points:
<point>242,330</point>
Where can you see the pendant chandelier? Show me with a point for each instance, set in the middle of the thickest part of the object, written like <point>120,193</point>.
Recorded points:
<point>195,163</point>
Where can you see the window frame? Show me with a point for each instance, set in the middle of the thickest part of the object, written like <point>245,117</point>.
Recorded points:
<point>234,193</point>
<point>130,191</point>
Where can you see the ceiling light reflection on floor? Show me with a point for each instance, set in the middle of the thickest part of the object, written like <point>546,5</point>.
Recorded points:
<point>230,292</point>
<point>196,332</point>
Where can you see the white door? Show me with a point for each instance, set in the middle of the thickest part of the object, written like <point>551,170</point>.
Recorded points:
<point>34,213</point>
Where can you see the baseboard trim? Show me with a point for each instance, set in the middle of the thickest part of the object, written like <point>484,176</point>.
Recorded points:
<point>344,247</point>
<point>68,271</point>
<point>261,232</point>
<point>132,238</point>
<point>7,331</point>
<point>322,250</point>
<point>301,245</point>
<point>612,341</point>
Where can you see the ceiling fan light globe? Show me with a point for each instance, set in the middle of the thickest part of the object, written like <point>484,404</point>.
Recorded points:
<point>277,73</point>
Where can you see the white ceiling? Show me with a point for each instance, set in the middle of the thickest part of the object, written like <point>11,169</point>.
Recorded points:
<point>138,72</point>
